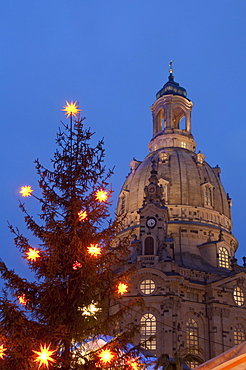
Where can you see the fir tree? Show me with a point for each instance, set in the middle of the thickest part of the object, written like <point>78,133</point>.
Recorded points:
<point>74,265</point>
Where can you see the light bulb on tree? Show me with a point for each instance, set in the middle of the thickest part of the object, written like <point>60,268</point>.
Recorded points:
<point>82,215</point>
<point>71,109</point>
<point>32,254</point>
<point>101,195</point>
<point>2,351</point>
<point>122,288</point>
<point>106,356</point>
<point>44,356</point>
<point>26,191</point>
<point>94,250</point>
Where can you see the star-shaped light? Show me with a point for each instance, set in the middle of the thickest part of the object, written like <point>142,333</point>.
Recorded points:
<point>90,310</point>
<point>122,288</point>
<point>133,364</point>
<point>33,254</point>
<point>2,350</point>
<point>101,195</point>
<point>82,215</point>
<point>94,250</point>
<point>106,356</point>
<point>44,356</point>
<point>76,265</point>
<point>22,299</point>
<point>26,191</point>
<point>71,109</point>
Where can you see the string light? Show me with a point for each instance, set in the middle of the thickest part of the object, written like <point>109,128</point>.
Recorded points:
<point>26,191</point>
<point>71,109</point>
<point>101,195</point>
<point>44,356</point>
<point>33,254</point>
<point>94,250</point>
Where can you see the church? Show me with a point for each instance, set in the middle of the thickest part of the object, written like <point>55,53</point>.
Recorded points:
<point>177,215</point>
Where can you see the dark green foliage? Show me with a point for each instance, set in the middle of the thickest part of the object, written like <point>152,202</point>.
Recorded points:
<point>59,294</point>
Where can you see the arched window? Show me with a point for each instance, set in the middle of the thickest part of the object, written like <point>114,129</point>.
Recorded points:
<point>223,255</point>
<point>149,246</point>
<point>239,334</point>
<point>148,331</point>
<point>192,342</point>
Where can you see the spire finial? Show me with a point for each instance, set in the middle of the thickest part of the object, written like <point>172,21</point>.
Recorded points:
<point>171,67</point>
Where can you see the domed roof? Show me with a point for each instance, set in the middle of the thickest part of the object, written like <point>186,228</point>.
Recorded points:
<point>184,178</point>
<point>171,87</point>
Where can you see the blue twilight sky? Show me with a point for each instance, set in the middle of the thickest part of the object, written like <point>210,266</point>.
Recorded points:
<point>112,56</point>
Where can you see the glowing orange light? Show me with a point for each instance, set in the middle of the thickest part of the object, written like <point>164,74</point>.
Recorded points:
<point>122,288</point>
<point>26,191</point>
<point>2,350</point>
<point>82,215</point>
<point>32,254</point>
<point>44,356</point>
<point>71,109</point>
<point>106,356</point>
<point>94,250</point>
<point>133,364</point>
<point>76,265</point>
<point>101,195</point>
<point>22,299</point>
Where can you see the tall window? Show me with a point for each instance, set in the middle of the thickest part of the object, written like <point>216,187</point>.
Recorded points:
<point>149,245</point>
<point>148,331</point>
<point>192,342</point>
<point>223,255</point>
<point>208,196</point>
<point>239,334</point>
<point>238,296</point>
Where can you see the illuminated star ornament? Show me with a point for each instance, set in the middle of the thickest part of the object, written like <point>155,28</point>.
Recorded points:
<point>90,310</point>
<point>101,196</point>
<point>71,109</point>
<point>44,356</point>
<point>82,215</point>
<point>122,288</point>
<point>22,299</point>
<point>94,250</point>
<point>32,254</point>
<point>133,364</point>
<point>106,356</point>
<point>26,191</point>
<point>76,265</point>
<point>2,350</point>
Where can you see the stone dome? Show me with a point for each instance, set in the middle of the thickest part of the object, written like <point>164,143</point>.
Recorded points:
<point>191,187</point>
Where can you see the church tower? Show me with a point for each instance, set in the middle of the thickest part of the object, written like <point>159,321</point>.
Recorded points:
<point>178,216</point>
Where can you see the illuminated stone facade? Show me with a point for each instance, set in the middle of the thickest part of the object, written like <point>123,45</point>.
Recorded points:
<point>176,211</point>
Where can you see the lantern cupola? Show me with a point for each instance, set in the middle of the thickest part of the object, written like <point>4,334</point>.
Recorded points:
<point>172,117</point>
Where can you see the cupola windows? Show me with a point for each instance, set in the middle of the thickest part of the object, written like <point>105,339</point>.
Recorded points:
<point>223,257</point>
<point>208,196</point>
<point>148,331</point>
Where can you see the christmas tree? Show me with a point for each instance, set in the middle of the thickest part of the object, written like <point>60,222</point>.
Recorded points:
<point>53,321</point>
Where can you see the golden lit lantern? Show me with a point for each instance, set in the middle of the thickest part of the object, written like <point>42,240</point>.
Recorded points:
<point>76,265</point>
<point>122,288</point>
<point>26,191</point>
<point>71,109</point>
<point>2,350</point>
<point>106,356</point>
<point>32,254</point>
<point>82,215</point>
<point>101,195</point>
<point>44,356</point>
<point>22,299</point>
<point>94,250</point>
